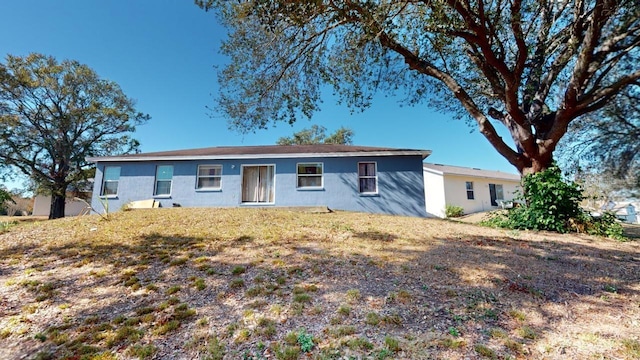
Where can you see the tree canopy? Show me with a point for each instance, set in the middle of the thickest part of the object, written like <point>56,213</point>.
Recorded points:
<point>317,135</point>
<point>55,114</point>
<point>532,66</point>
<point>607,143</point>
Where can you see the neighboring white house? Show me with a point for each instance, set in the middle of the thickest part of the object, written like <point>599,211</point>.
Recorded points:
<point>626,211</point>
<point>73,207</point>
<point>474,190</point>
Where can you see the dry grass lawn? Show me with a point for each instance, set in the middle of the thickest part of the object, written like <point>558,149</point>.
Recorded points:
<point>274,284</point>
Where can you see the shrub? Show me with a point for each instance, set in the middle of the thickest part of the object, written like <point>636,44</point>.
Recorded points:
<point>554,205</point>
<point>5,198</point>
<point>549,202</point>
<point>605,225</point>
<point>452,211</point>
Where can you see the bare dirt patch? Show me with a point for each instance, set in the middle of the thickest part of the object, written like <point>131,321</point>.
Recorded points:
<point>258,283</point>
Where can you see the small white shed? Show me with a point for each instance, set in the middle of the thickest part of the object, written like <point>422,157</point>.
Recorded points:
<point>473,189</point>
<point>73,207</point>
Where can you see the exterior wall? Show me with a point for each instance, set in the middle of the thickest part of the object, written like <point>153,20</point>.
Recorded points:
<point>400,184</point>
<point>456,192</point>
<point>42,206</point>
<point>434,194</point>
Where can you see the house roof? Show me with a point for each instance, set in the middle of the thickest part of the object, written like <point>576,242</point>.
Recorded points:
<point>265,151</point>
<point>465,171</point>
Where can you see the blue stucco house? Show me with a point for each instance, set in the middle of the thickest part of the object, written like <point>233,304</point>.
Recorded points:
<point>341,177</point>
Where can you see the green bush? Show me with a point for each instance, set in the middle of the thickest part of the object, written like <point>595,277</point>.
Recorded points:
<point>5,198</point>
<point>452,211</point>
<point>551,204</point>
<point>605,225</point>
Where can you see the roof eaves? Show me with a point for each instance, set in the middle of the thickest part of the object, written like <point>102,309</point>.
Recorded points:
<point>471,172</point>
<point>134,158</point>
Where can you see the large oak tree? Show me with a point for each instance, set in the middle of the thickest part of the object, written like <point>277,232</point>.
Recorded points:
<point>55,114</point>
<point>532,66</point>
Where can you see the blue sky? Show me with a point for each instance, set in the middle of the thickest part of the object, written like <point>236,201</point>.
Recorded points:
<point>164,54</point>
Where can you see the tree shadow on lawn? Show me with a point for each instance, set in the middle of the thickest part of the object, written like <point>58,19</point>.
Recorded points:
<point>420,286</point>
<point>477,283</point>
<point>98,292</point>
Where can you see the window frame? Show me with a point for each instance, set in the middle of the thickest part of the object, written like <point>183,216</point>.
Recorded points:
<point>375,177</point>
<point>198,177</point>
<point>299,175</point>
<point>155,186</point>
<point>495,191</point>
<point>105,180</point>
<point>501,187</point>
<point>242,184</point>
<point>470,191</point>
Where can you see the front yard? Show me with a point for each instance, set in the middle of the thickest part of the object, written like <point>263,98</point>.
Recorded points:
<point>266,283</point>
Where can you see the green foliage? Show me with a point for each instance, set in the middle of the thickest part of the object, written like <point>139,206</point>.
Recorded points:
<point>453,331</point>
<point>317,135</point>
<point>552,204</point>
<point>452,211</point>
<point>549,202</point>
<point>215,350</point>
<point>5,197</point>
<point>606,143</point>
<point>485,351</point>
<point>305,341</point>
<point>283,54</point>
<point>604,225</point>
<point>4,226</point>
<point>392,344</point>
<point>78,115</point>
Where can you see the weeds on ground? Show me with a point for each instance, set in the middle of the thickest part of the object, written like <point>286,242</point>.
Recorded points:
<point>6,225</point>
<point>353,296</point>
<point>344,310</point>
<point>485,351</point>
<point>272,295</point>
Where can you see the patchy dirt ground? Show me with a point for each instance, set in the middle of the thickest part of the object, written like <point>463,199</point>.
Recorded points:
<point>258,284</point>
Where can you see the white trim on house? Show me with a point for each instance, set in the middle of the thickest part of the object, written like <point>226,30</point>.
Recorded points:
<point>424,154</point>
<point>374,177</point>
<point>321,175</point>
<point>465,171</point>
<point>198,177</point>
<point>156,181</point>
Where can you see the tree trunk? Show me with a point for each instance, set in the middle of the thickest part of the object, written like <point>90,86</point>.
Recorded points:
<point>536,166</point>
<point>58,200</point>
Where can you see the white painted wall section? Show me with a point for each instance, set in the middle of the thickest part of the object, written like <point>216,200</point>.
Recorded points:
<point>434,193</point>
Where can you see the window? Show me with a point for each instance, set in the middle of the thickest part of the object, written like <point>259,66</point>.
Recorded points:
<point>164,174</point>
<point>367,178</point>
<point>209,177</point>
<point>470,190</point>
<point>495,193</point>
<point>258,185</point>
<point>309,175</point>
<point>110,179</point>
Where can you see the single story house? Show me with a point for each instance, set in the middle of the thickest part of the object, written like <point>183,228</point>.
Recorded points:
<point>341,177</point>
<point>474,190</point>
